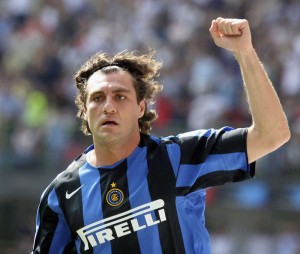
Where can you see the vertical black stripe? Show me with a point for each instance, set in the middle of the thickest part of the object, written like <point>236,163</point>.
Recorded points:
<point>70,248</point>
<point>128,243</point>
<point>194,149</point>
<point>72,208</point>
<point>47,227</point>
<point>162,183</point>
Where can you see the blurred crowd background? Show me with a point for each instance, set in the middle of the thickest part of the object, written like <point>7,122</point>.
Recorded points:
<point>43,43</point>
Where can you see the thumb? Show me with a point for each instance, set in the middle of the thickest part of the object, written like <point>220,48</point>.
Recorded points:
<point>214,30</point>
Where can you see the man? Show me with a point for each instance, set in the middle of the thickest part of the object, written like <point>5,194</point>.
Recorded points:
<point>130,192</point>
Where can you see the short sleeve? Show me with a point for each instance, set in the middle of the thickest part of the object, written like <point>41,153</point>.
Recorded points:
<point>213,157</point>
<point>52,233</point>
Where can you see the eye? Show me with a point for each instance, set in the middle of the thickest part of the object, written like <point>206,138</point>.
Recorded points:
<point>98,98</point>
<point>120,97</point>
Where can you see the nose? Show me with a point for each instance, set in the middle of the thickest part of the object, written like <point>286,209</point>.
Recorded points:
<point>109,106</point>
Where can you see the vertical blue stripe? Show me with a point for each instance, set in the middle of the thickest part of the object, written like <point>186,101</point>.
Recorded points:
<point>174,155</point>
<point>38,217</point>
<point>62,234</point>
<point>190,211</point>
<point>92,202</point>
<point>139,194</point>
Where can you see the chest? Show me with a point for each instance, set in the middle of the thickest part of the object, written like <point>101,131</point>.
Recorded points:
<point>132,183</point>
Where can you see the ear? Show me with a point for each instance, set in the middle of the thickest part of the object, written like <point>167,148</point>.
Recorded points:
<point>84,116</point>
<point>143,106</point>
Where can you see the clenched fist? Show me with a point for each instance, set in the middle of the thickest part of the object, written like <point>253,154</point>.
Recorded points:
<point>232,34</point>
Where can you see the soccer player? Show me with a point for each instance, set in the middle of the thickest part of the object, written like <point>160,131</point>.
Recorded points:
<point>130,192</point>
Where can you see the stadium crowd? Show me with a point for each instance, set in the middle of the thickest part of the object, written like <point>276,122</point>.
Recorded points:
<point>44,42</point>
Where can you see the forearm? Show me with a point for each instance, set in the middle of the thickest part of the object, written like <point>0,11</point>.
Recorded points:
<point>269,129</point>
<point>267,113</point>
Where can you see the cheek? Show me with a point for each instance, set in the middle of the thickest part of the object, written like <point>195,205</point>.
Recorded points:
<point>91,111</point>
<point>93,106</point>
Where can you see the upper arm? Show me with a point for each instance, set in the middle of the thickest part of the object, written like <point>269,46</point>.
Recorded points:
<point>214,159</point>
<point>52,232</point>
<point>260,144</point>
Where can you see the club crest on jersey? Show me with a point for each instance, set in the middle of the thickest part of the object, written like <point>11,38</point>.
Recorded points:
<point>114,196</point>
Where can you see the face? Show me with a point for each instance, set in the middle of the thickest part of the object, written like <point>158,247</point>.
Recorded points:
<point>112,110</point>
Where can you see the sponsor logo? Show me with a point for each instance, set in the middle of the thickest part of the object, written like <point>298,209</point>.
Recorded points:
<point>114,196</point>
<point>69,195</point>
<point>122,224</point>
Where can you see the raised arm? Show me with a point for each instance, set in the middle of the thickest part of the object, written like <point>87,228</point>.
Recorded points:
<point>269,129</point>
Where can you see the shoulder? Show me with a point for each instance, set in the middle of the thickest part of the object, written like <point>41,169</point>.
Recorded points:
<point>196,135</point>
<point>72,171</point>
<point>68,176</point>
<point>202,140</point>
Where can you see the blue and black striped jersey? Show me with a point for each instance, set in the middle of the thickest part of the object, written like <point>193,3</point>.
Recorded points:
<point>151,202</point>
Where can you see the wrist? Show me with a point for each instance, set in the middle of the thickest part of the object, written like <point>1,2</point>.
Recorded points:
<point>242,55</point>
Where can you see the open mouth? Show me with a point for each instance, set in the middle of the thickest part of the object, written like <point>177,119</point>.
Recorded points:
<point>109,123</point>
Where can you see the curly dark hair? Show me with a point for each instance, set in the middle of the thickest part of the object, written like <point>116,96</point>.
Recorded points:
<point>143,68</point>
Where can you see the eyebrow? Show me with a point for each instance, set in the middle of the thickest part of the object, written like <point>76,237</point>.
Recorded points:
<point>120,90</point>
<point>114,91</point>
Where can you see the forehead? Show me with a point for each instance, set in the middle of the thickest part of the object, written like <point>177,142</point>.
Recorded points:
<point>100,81</point>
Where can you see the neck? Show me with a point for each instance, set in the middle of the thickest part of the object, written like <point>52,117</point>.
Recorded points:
<point>105,154</point>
